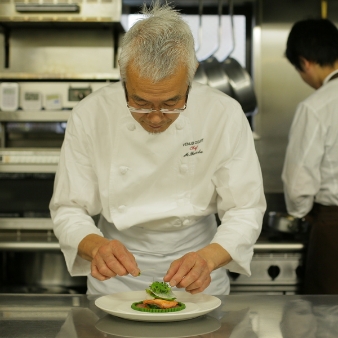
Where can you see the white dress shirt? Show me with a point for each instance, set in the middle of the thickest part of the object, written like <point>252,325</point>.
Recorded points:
<point>310,172</point>
<point>204,163</point>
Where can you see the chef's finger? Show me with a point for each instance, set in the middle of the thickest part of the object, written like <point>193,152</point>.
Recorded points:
<point>96,274</point>
<point>126,260</point>
<point>123,264</point>
<point>118,259</point>
<point>198,287</point>
<point>174,266</point>
<point>183,269</point>
<point>193,269</point>
<point>102,268</point>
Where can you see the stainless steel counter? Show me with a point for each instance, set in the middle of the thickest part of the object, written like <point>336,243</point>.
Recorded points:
<point>67,316</point>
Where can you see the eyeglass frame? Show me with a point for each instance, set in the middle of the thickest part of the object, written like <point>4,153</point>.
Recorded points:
<point>162,110</point>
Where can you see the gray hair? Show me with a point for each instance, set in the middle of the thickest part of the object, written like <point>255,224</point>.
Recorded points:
<point>158,45</point>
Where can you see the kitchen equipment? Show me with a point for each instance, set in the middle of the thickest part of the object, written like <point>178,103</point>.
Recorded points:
<point>53,102</point>
<point>200,75</point>
<point>31,101</point>
<point>285,223</point>
<point>60,11</point>
<point>38,271</point>
<point>228,75</point>
<point>210,70</point>
<point>241,84</point>
<point>239,79</point>
<point>217,78</point>
<point>9,94</point>
<point>31,259</point>
<point>277,265</point>
<point>275,269</point>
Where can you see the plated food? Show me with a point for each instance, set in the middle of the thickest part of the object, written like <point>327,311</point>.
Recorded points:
<point>119,305</point>
<point>163,300</point>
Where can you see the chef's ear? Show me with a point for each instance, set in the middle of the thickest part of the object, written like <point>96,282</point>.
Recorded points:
<point>305,63</point>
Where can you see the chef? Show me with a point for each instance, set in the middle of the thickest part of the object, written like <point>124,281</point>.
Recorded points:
<point>310,173</point>
<point>157,156</point>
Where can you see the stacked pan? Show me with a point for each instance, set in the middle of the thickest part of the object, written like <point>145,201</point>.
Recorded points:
<point>230,78</point>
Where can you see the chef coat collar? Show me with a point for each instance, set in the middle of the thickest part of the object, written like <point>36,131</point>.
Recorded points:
<point>330,76</point>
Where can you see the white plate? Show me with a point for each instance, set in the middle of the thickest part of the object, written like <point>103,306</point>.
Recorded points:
<point>119,304</point>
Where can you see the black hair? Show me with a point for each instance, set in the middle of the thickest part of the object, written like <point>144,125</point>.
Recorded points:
<point>313,39</point>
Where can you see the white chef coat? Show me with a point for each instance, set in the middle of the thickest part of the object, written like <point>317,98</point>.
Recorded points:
<point>163,184</point>
<point>310,172</point>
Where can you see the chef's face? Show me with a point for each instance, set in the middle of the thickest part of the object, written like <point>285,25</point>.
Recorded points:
<point>169,93</point>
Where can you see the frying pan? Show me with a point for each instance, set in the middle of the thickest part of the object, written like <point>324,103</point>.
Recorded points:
<point>241,84</point>
<point>217,78</point>
<point>282,222</point>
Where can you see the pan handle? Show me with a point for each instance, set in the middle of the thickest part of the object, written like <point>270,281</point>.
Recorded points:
<point>231,13</point>
<point>219,29</point>
<point>200,14</point>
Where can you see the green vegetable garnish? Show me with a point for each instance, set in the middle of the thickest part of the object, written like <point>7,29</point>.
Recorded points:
<point>160,290</point>
<point>180,306</point>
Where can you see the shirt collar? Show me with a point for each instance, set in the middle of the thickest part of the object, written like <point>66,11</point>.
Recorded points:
<point>327,79</point>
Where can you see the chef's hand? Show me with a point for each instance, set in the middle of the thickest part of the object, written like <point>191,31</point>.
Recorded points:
<point>192,271</point>
<point>108,258</point>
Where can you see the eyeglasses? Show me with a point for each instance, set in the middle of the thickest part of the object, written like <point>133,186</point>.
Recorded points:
<point>162,110</point>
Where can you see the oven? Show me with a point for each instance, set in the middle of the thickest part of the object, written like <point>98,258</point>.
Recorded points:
<point>276,269</point>
<point>31,259</point>
<point>277,266</point>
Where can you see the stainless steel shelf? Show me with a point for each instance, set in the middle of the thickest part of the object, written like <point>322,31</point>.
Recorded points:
<point>38,115</point>
<point>114,75</point>
<point>23,223</point>
<point>28,168</point>
<point>27,234</point>
<point>282,247</point>
<point>29,246</point>
<point>29,160</point>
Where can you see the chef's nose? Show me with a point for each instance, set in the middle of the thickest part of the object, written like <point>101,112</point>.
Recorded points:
<point>155,116</point>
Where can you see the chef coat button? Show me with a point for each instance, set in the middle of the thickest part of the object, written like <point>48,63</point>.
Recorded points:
<point>177,223</point>
<point>186,222</point>
<point>122,208</point>
<point>179,125</point>
<point>183,168</point>
<point>123,170</point>
<point>131,126</point>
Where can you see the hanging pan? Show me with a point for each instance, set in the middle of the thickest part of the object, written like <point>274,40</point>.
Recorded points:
<point>200,75</point>
<point>240,81</point>
<point>210,71</point>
